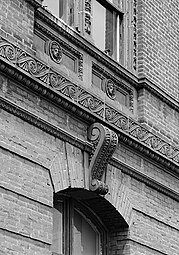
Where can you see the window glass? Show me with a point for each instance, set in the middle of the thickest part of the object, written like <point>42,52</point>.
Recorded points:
<point>39,43</point>
<point>96,80</point>
<point>52,6</point>
<point>69,62</point>
<point>73,232</point>
<point>107,29</point>
<point>58,228</point>
<point>99,23</point>
<point>85,237</point>
<point>122,98</point>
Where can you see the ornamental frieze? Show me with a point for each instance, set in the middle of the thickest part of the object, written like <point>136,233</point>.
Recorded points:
<point>64,47</point>
<point>88,16</point>
<point>45,76</point>
<point>112,86</point>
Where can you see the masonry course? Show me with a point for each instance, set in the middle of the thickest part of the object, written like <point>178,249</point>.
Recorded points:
<point>31,159</point>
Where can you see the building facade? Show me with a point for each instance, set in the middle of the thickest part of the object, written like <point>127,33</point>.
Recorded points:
<point>89,127</point>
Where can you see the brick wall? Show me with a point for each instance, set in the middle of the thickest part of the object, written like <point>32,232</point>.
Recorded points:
<point>26,155</point>
<point>27,194</point>
<point>144,166</point>
<point>158,116</point>
<point>158,32</point>
<point>17,21</point>
<point>41,107</point>
<point>153,225</point>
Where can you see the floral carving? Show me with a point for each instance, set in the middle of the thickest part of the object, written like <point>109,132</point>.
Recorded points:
<point>135,35</point>
<point>91,102</point>
<point>88,6</point>
<point>7,51</point>
<point>152,141</point>
<point>104,141</point>
<point>45,77</point>
<point>116,118</point>
<point>32,66</point>
<point>65,87</point>
<point>88,16</point>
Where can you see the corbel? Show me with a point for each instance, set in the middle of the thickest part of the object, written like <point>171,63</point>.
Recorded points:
<point>104,143</point>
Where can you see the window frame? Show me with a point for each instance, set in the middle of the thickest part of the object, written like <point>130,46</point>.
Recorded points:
<point>118,34</point>
<point>70,206</point>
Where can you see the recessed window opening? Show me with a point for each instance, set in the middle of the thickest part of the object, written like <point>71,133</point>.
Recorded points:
<point>53,6</point>
<point>107,28</point>
<point>74,229</point>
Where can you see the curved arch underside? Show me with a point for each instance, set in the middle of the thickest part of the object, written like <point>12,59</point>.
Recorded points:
<point>110,217</point>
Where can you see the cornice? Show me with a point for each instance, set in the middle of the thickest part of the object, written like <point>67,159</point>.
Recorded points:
<point>169,100</point>
<point>35,3</point>
<point>131,171</point>
<point>40,78</point>
<point>79,41</point>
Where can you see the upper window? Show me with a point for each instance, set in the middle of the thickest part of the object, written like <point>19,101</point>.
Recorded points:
<point>74,232</point>
<point>53,6</point>
<point>102,20</point>
<point>64,9</point>
<point>107,29</point>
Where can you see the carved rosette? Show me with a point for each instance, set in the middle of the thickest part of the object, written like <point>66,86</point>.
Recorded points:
<point>104,144</point>
<point>55,51</point>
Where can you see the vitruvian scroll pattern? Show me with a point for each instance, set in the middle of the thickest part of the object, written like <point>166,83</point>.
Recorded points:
<point>30,66</point>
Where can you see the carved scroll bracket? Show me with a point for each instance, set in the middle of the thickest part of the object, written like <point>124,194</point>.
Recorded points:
<point>104,144</point>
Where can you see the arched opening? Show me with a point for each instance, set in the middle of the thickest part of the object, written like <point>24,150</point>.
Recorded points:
<point>82,223</point>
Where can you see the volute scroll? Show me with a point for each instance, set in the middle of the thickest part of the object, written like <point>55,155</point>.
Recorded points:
<point>104,144</point>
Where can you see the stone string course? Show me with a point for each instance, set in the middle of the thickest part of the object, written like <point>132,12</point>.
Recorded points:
<point>54,81</point>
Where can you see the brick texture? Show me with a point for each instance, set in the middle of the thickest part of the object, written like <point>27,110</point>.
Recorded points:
<point>42,108</point>
<point>35,164</point>
<point>153,224</point>
<point>17,21</point>
<point>159,117</point>
<point>144,166</point>
<point>158,32</point>
<point>18,245</point>
<point>26,178</point>
<point>67,168</point>
<point>25,217</point>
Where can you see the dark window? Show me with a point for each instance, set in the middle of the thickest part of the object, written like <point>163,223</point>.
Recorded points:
<point>74,233</point>
<point>69,61</point>
<point>107,22</point>
<point>97,80</point>
<point>122,97</point>
<point>39,43</point>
